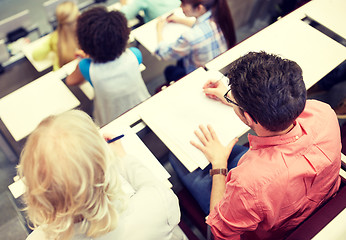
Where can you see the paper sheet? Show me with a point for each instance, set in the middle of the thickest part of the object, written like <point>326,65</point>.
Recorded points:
<point>175,114</point>
<point>134,146</point>
<point>147,34</point>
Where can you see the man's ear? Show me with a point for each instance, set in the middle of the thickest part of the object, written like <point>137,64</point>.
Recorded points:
<point>249,119</point>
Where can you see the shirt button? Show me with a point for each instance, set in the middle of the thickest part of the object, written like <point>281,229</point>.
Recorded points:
<point>297,137</point>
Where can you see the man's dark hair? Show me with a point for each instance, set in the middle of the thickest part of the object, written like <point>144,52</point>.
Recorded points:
<point>269,88</point>
<point>102,34</point>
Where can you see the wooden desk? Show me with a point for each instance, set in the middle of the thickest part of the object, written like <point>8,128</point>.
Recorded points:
<point>316,53</point>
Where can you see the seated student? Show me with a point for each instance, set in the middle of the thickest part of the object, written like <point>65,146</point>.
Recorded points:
<point>112,69</point>
<point>152,8</point>
<point>80,187</point>
<point>63,41</point>
<point>211,34</point>
<point>292,165</point>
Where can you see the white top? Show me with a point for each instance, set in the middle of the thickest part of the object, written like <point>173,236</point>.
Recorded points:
<point>118,87</point>
<point>152,213</point>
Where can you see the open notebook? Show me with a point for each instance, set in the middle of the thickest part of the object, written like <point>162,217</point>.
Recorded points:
<point>175,113</point>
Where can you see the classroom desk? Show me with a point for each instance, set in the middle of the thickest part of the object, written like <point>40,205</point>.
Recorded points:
<point>171,31</point>
<point>39,65</point>
<point>329,13</point>
<point>290,37</point>
<point>19,76</point>
<point>176,112</point>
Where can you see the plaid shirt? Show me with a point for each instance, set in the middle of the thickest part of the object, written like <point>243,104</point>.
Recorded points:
<point>197,46</point>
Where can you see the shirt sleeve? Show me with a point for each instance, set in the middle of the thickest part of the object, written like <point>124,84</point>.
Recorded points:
<point>131,9</point>
<point>84,67</point>
<point>176,50</point>
<point>137,53</point>
<point>149,189</point>
<point>235,214</point>
<point>41,52</point>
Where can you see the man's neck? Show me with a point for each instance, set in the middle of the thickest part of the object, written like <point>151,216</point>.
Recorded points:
<point>262,132</point>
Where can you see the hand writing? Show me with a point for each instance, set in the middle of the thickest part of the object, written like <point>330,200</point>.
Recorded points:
<point>116,146</point>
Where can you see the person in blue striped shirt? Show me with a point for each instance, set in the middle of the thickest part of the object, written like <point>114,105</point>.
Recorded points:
<point>211,34</point>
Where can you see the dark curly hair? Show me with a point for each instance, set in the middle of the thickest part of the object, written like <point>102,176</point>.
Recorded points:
<point>102,34</point>
<point>269,88</point>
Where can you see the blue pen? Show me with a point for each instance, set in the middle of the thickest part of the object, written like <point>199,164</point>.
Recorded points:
<point>116,138</point>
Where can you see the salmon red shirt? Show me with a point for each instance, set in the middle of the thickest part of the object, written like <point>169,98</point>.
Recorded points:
<point>281,180</point>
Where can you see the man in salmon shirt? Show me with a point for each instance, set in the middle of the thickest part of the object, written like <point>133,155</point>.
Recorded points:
<point>293,163</point>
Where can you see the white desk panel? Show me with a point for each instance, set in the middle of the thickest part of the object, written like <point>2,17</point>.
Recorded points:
<point>316,53</point>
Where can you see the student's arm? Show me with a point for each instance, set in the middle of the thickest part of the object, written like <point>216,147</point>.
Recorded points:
<point>41,52</point>
<point>174,19</point>
<point>217,155</point>
<point>181,20</point>
<point>131,9</point>
<point>216,89</point>
<point>80,74</point>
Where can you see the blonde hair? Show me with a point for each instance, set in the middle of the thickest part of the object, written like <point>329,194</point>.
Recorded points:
<point>70,175</point>
<point>66,15</point>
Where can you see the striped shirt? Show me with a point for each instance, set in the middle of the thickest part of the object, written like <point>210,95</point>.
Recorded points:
<point>202,43</point>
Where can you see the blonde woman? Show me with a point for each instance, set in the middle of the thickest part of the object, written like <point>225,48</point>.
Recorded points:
<point>63,41</point>
<point>80,187</point>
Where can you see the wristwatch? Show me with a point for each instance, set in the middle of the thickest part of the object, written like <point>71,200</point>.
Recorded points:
<point>222,171</point>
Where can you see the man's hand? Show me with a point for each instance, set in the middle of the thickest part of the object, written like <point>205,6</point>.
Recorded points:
<point>214,151</point>
<point>215,89</point>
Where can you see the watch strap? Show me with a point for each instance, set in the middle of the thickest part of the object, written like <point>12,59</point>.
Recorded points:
<point>222,171</point>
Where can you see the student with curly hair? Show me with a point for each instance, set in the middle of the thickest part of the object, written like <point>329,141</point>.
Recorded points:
<point>211,34</point>
<point>112,69</point>
<point>63,41</point>
<point>80,187</point>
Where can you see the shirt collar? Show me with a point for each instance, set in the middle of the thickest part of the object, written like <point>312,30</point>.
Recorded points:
<point>204,17</point>
<point>257,142</point>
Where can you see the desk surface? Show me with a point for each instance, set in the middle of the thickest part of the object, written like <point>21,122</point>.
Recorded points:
<point>147,34</point>
<point>39,65</point>
<point>176,112</point>
<point>329,13</point>
<point>17,76</point>
<point>316,53</point>
<point>22,110</point>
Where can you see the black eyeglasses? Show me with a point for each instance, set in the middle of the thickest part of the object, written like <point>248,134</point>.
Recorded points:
<point>229,100</point>
<point>233,102</point>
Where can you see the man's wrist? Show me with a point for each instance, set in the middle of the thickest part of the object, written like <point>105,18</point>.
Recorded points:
<point>215,171</point>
